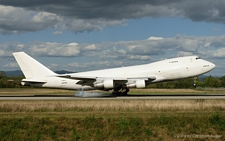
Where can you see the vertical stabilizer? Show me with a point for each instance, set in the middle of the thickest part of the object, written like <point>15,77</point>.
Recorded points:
<point>30,67</point>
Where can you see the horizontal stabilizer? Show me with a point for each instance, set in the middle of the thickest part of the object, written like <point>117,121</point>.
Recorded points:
<point>33,81</point>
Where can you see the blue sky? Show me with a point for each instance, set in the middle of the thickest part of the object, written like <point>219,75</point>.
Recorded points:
<point>88,35</point>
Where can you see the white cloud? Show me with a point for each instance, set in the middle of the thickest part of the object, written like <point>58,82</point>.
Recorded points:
<point>42,17</point>
<point>220,53</point>
<point>18,20</point>
<point>141,49</point>
<point>57,32</point>
<point>90,47</point>
<point>11,65</point>
<point>89,64</point>
<point>207,44</point>
<point>139,57</point>
<point>115,54</point>
<point>55,49</point>
<point>155,38</point>
<point>183,53</point>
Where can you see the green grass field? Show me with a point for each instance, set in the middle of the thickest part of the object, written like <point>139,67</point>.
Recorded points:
<point>111,119</point>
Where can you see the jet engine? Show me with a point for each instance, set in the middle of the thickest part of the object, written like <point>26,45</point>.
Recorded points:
<point>105,84</point>
<point>138,84</point>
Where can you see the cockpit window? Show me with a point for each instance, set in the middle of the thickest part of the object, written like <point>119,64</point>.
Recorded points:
<point>198,58</point>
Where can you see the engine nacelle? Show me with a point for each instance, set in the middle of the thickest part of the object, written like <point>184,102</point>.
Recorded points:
<point>106,84</point>
<point>137,84</point>
<point>140,84</point>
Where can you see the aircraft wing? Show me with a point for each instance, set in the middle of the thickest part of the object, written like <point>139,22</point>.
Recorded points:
<point>83,80</point>
<point>89,80</point>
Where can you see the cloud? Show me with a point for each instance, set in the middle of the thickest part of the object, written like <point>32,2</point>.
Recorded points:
<point>139,57</point>
<point>81,25</point>
<point>11,65</point>
<point>90,47</point>
<point>115,54</point>
<point>100,9</point>
<point>7,48</point>
<point>183,53</point>
<point>86,15</point>
<point>18,20</point>
<point>54,66</point>
<point>57,32</point>
<point>76,66</point>
<point>220,53</point>
<point>154,38</point>
<point>55,49</point>
<point>140,49</point>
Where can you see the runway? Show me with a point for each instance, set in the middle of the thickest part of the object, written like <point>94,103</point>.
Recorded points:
<point>108,97</point>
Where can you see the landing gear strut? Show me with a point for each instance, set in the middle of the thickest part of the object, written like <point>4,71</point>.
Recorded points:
<point>195,79</point>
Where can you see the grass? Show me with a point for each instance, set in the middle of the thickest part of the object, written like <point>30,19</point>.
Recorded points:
<point>178,91</point>
<point>33,91</point>
<point>160,127</point>
<point>111,119</point>
<point>111,105</point>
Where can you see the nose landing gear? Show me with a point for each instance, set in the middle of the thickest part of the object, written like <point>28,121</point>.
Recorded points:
<point>195,79</point>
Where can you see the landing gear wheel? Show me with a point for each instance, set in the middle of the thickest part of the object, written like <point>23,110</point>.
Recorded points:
<point>126,91</point>
<point>120,92</point>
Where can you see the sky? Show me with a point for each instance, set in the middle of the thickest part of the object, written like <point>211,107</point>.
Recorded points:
<point>83,35</point>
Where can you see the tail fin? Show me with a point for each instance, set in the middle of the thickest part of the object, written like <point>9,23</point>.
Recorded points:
<point>30,67</point>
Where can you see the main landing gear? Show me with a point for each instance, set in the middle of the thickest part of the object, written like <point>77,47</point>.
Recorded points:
<point>120,91</point>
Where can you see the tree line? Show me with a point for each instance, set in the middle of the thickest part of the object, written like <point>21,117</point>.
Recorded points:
<point>209,81</point>
<point>10,81</point>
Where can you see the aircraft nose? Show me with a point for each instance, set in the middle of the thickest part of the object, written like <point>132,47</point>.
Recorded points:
<point>208,66</point>
<point>211,65</point>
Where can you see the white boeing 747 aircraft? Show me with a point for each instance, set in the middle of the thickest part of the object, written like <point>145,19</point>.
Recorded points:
<point>117,79</point>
